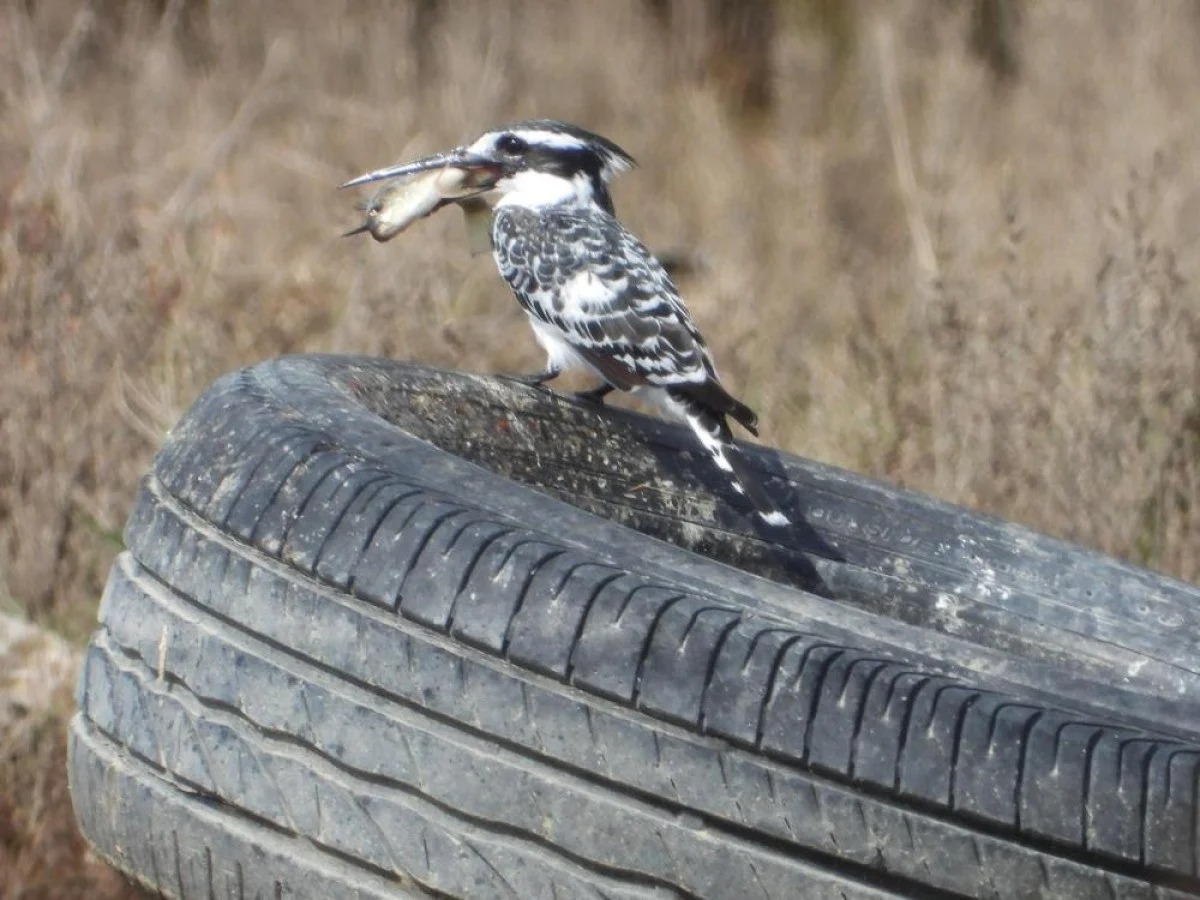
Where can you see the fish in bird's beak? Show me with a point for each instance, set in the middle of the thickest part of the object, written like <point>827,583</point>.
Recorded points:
<point>397,205</point>
<point>428,184</point>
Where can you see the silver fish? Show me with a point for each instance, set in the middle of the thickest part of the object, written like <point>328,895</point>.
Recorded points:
<point>397,205</point>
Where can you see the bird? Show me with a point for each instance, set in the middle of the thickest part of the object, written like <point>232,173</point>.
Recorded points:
<point>596,297</point>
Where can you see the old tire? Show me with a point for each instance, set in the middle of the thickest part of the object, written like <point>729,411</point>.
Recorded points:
<point>387,631</point>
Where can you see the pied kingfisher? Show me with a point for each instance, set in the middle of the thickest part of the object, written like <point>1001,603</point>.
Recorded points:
<point>596,298</point>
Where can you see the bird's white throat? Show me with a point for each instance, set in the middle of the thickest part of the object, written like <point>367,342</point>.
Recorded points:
<point>539,189</point>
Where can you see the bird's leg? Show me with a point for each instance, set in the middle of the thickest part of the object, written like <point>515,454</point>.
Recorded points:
<point>595,395</point>
<point>537,379</point>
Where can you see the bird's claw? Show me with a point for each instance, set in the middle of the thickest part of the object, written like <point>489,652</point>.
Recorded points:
<point>594,396</point>
<point>537,380</point>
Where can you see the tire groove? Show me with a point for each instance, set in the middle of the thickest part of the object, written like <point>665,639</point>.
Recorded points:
<point>817,691</point>
<point>960,721</point>
<point>938,693</point>
<point>415,556</point>
<point>456,594</point>
<point>378,483</point>
<point>759,634</point>
<point>1143,789</point>
<point>698,614</point>
<point>523,542</point>
<point>302,506</point>
<point>304,461</point>
<point>1144,806</point>
<point>384,514</point>
<point>892,684</point>
<point>583,564</point>
<point>522,596</point>
<point>849,674</point>
<point>645,650</point>
<point>710,670</point>
<point>769,688</point>
<point>478,554</point>
<point>1001,707</point>
<point>453,542</point>
<point>1085,809</point>
<point>1023,764</point>
<point>581,624</point>
<point>860,715</point>
<point>629,595</point>
<point>280,438</point>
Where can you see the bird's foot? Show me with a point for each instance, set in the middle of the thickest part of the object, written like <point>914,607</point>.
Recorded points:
<point>536,380</point>
<point>596,395</point>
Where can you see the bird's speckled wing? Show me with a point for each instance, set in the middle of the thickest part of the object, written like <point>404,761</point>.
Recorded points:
<point>581,272</point>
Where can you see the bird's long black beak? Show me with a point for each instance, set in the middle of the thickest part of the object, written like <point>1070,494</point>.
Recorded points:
<point>485,172</point>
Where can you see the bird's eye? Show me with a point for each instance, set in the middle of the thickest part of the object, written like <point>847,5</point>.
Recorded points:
<point>511,145</point>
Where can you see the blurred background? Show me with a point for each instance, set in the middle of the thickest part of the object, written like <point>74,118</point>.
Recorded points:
<point>953,245</point>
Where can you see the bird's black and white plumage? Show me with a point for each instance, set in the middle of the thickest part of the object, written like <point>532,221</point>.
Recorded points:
<point>596,297</point>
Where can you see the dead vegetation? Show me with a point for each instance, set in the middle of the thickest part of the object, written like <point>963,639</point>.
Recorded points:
<point>942,244</point>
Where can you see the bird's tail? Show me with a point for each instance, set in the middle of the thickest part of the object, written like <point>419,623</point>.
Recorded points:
<point>714,435</point>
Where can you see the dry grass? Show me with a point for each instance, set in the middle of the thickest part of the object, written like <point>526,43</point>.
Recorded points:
<point>42,855</point>
<point>979,287</point>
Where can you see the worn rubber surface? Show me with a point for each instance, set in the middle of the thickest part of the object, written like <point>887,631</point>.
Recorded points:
<point>359,646</point>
